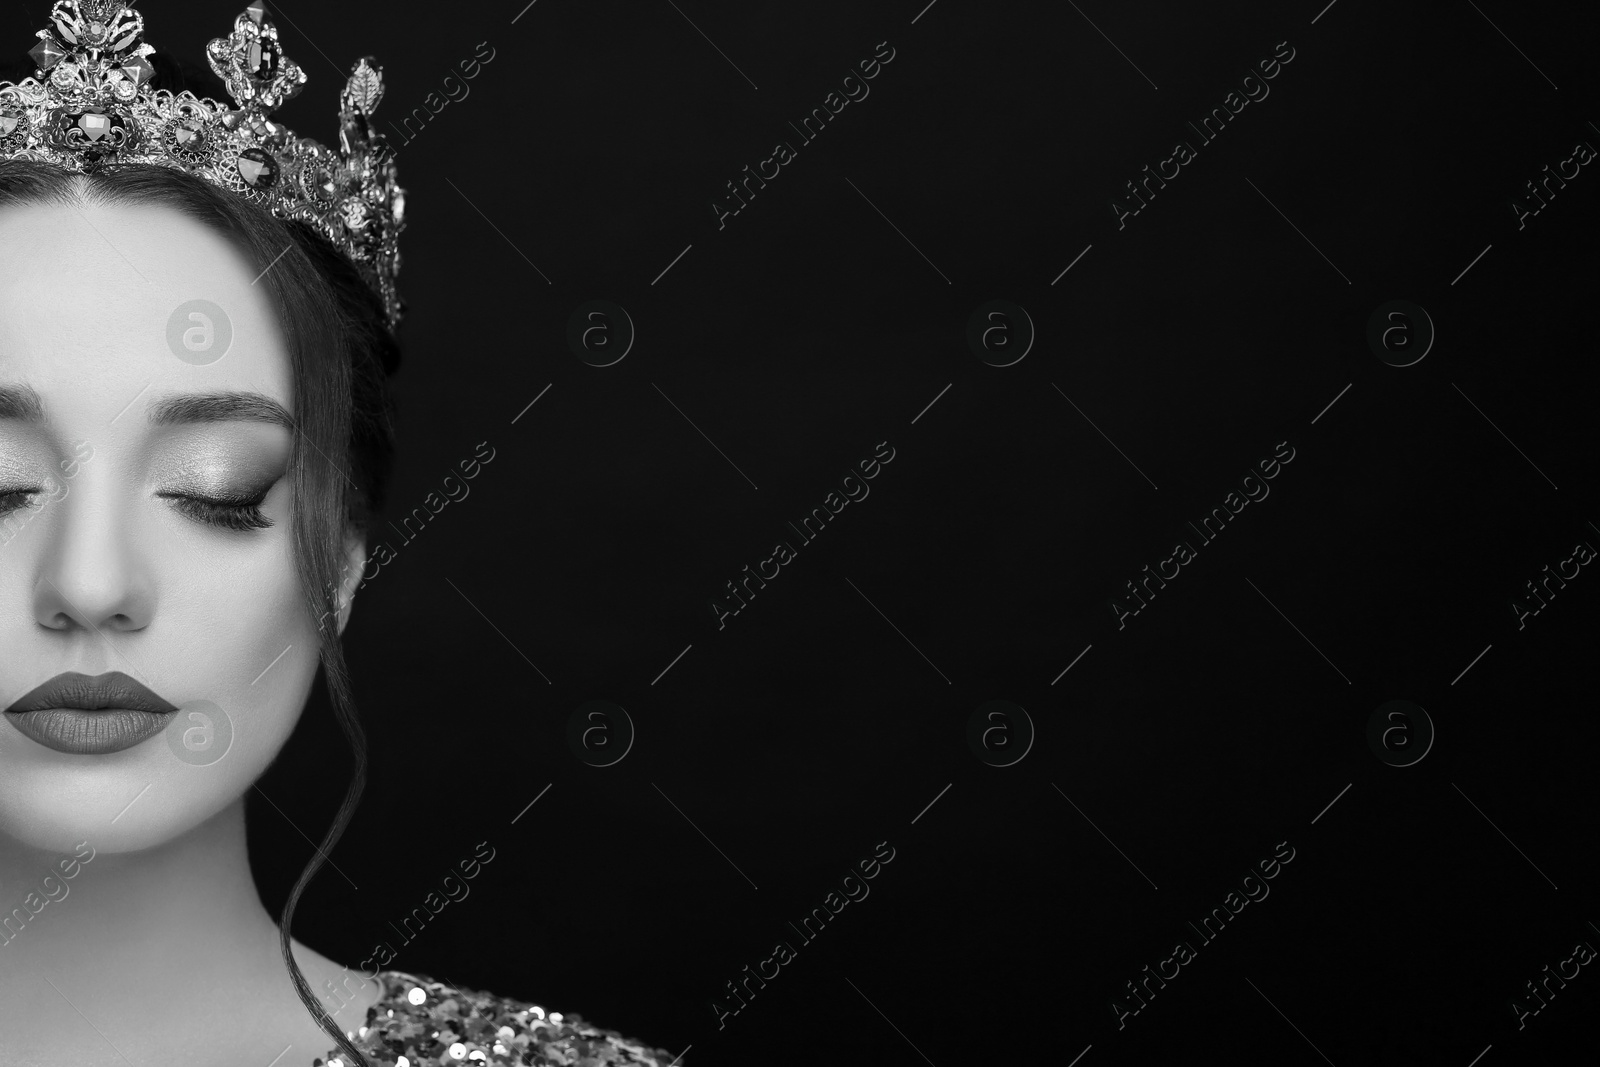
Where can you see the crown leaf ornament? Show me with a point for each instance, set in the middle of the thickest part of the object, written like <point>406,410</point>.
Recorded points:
<point>88,107</point>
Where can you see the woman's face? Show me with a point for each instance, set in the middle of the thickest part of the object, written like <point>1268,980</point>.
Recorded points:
<point>144,527</point>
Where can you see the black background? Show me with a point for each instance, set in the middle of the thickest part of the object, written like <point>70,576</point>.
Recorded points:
<point>808,330</point>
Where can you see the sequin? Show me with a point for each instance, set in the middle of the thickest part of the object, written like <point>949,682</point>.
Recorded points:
<point>472,1028</point>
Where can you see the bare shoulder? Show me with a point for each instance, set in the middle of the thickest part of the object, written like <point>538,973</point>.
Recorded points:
<point>426,1021</point>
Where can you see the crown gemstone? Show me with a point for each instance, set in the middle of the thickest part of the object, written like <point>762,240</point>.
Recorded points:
<point>46,54</point>
<point>257,12</point>
<point>264,59</point>
<point>138,70</point>
<point>95,126</point>
<point>318,182</point>
<point>8,123</point>
<point>258,169</point>
<point>187,135</point>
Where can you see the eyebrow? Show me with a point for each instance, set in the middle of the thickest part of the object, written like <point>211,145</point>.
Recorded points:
<point>22,403</point>
<point>218,407</point>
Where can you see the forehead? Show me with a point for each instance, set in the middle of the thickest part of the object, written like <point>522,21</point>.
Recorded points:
<point>100,304</point>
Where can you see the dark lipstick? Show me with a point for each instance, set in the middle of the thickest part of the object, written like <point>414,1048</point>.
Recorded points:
<point>90,715</point>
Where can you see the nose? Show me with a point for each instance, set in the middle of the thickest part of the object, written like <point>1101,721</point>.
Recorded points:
<point>90,577</point>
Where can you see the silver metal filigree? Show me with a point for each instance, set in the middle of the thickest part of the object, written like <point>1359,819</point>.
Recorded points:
<point>88,107</point>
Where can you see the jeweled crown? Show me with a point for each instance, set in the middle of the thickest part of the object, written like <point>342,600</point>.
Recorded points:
<point>87,106</point>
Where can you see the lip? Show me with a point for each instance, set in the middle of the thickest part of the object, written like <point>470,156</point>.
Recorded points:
<point>90,715</point>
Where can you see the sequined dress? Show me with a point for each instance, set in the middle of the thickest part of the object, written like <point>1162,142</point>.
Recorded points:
<point>418,1022</point>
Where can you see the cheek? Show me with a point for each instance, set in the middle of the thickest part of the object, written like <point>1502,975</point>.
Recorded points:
<point>242,627</point>
<point>250,646</point>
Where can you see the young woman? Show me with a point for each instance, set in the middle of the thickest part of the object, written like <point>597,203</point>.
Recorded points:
<point>195,431</point>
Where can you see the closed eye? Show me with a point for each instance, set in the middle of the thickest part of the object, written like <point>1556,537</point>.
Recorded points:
<point>16,499</point>
<point>242,513</point>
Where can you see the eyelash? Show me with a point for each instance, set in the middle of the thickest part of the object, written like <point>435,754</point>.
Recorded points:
<point>242,514</point>
<point>8,494</point>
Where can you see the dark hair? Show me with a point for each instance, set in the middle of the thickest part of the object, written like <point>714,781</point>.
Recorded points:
<point>341,353</point>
